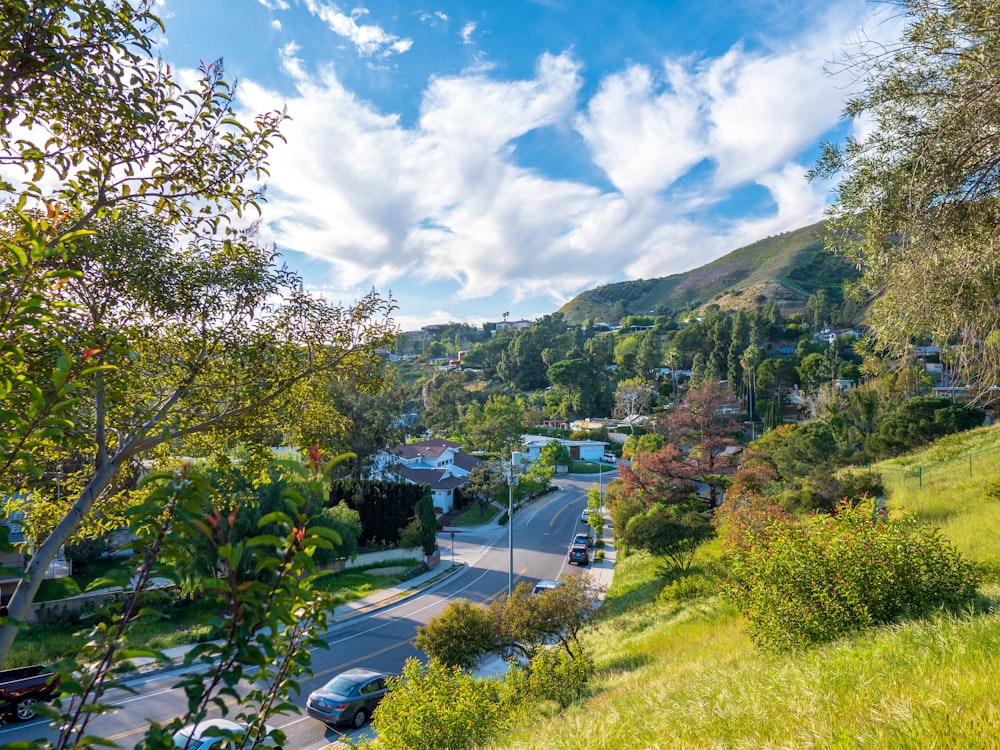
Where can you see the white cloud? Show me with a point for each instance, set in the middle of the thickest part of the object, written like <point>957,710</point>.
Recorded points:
<point>747,113</point>
<point>642,139</point>
<point>367,39</point>
<point>433,17</point>
<point>467,31</point>
<point>274,4</point>
<point>290,62</point>
<point>276,24</point>
<point>446,199</point>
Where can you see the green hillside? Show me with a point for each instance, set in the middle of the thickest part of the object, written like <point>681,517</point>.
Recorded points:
<point>676,670</point>
<point>786,268</point>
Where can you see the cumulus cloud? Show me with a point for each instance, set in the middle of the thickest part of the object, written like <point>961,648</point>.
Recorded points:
<point>445,198</point>
<point>368,39</point>
<point>467,31</point>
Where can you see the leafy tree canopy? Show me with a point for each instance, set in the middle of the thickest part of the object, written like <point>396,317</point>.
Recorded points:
<point>918,203</point>
<point>919,421</point>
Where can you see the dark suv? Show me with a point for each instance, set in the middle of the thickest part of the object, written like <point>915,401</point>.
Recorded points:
<point>578,554</point>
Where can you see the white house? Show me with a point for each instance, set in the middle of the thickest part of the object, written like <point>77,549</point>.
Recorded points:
<point>441,464</point>
<point>511,325</point>
<point>579,450</point>
<point>830,335</point>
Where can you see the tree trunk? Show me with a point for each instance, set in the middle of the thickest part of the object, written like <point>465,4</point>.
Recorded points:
<point>24,594</point>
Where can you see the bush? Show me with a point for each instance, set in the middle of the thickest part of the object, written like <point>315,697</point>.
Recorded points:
<point>411,535</point>
<point>436,706</point>
<point>557,676</point>
<point>687,588</point>
<point>87,551</point>
<point>52,589</point>
<point>805,582</point>
<point>992,490</point>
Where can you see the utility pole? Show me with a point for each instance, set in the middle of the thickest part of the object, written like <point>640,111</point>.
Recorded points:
<point>510,528</point>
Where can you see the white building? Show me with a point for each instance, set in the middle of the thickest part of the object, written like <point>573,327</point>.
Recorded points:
<point>579,450</point>
<point>441,464</point>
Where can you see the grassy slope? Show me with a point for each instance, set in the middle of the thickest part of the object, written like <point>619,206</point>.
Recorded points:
<point>683,675</point>
<point>792,264</point>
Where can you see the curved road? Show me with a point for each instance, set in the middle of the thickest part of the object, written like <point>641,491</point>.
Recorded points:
<point>382,640</point>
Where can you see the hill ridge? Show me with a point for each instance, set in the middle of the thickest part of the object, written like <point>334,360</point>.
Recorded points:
<point>786,268</point>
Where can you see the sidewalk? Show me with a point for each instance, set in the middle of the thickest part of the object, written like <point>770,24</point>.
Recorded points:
<point>451,563</point>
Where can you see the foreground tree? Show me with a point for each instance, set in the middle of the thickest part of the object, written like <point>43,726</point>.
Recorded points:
<point>195,352</point>
<point>267,612</point>
<point>107,125</point>
<point>918,203</point>
<point>168,323</point>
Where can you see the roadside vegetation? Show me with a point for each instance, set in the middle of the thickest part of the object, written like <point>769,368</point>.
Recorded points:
<point>675,664</point>
<point>55,637</point>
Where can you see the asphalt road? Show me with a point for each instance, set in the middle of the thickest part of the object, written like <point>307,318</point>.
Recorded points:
<point>542,533</point>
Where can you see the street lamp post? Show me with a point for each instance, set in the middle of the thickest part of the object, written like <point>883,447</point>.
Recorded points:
<point>510,529</point>
<point>600,481</point>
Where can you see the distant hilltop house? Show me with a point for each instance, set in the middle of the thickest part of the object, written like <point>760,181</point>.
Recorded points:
<point>438,463</point>
<point>579,450</point>
<point>511,325</point>
<point>831,335</point>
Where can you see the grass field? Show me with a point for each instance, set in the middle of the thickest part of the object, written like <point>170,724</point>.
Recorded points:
<point>681,673</point>
<point>948,485</point>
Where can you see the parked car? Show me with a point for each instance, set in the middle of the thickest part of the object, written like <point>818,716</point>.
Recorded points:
<point>21,689</point>
<point>585,516</point>
<point>584,539</point>
<point>349,698</point>
<point>578,554</point>
<point>207,735</point>
<point>543,586</point>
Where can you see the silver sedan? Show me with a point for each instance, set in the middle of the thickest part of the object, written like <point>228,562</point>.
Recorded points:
<point>349,698</point>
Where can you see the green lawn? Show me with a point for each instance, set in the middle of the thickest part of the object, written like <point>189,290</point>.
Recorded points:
<point>475,516</point>
<point>48,643</point>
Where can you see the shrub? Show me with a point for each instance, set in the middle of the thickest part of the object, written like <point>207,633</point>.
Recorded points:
<point>673,537</point>
<point>52,589</point>
<point>411,535</point>
<point>687,588</point>
<point>992,490</point>
<point>87,551</point>
<point>557,676</point>
<point>804,582</point>
<point>436,706</point>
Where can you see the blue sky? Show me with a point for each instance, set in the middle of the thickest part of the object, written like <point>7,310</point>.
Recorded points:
<point>482,158</point>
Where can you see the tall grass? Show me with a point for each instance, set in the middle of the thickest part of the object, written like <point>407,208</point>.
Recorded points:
<point>953,496</point>
<point>682,674</point>
<point>695,681</point>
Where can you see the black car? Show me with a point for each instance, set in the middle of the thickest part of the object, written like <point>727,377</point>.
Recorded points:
<point>578,554</point>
